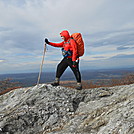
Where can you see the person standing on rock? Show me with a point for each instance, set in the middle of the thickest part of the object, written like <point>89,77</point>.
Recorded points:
<point>70,58</point>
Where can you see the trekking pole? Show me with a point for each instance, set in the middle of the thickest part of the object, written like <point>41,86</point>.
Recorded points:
<point>41,65</point>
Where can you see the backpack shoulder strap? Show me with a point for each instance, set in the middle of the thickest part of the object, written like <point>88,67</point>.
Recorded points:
<point>68,41</point>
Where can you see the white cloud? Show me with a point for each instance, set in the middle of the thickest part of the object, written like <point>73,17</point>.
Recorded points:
<point>107,27</point>
<point>1,61</point>
<point>125,61</point>
<point>83,15</point>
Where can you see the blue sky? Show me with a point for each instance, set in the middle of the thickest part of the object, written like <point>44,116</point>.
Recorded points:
<point>107,27</point>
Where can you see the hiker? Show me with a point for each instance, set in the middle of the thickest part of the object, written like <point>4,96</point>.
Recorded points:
<point>70,58</point>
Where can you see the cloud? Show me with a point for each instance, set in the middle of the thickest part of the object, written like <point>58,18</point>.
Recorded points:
<point>119,61</point>
<point>117,37</point>
<point>1,60</point>
<point>123,56</point>
<point>108,44</point>
<point>86,15</point>
<point>107,29</point>
<point>125,47</point>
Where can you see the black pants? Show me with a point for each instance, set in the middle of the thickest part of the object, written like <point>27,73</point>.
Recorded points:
<point>62,66</point>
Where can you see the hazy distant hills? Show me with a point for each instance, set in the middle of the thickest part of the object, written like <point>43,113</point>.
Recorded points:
<point>29,79</point>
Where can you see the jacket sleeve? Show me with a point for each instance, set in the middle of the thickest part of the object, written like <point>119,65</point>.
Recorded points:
<point>74,47</point>
<point>56,44</point>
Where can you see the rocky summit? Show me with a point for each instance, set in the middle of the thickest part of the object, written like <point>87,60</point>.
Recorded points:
<point>45,109</point>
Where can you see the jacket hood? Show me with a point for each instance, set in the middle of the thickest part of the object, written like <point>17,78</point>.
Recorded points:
<point>65,33</point>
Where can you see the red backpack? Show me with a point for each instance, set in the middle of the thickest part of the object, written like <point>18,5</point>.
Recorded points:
<point>80,43</point>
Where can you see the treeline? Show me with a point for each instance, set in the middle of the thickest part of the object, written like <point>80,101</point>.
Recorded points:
<point>124,80</point>
<point>7,85</point>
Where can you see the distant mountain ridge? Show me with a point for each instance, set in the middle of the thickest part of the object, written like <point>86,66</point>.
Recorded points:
<point>30,79</point>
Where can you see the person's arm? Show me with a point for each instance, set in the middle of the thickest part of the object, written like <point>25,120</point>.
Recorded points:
<point>56,44</point>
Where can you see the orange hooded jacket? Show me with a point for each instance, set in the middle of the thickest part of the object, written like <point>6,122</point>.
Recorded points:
<point>67,44</point>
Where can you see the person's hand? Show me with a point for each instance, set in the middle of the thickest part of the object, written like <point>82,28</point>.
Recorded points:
<point>74,63</point>
<point>46,41</point>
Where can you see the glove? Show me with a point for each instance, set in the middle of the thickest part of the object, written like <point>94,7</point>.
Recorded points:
<point>74,63</point>
<point>46,40</point>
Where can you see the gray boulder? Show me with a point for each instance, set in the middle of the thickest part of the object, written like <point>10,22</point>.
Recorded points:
<point>59,110</point>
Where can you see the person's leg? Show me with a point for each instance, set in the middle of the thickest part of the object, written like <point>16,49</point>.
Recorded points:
<point>76,73</point>
<point>60,70</point>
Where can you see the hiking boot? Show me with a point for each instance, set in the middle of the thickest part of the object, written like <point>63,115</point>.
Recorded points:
<point>79,86</point>
<point>56,82</point>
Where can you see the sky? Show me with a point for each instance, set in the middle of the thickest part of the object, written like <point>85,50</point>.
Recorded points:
<point>107,27</point>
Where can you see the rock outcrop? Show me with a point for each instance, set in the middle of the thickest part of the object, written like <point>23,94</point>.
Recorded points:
<point>59,110</point>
